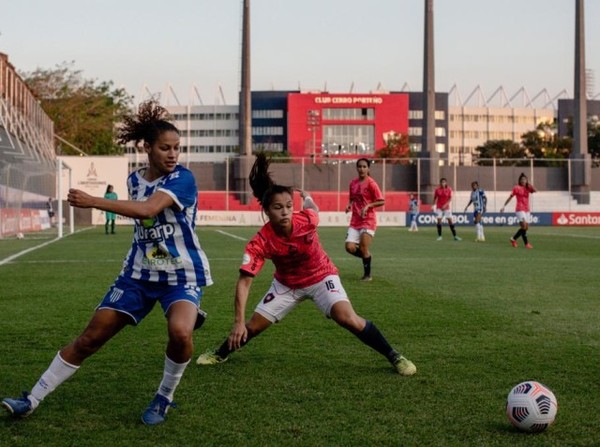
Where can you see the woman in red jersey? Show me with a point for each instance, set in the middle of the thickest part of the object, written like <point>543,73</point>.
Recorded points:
<point>364,196</point>
<point>442,197</point>
<point>302,271</point>
<point>521,191</point>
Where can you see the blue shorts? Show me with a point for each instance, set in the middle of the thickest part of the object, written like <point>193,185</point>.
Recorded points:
<point>137,298</point>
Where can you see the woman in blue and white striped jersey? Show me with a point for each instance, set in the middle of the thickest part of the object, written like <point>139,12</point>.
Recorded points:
<point>165,264</point>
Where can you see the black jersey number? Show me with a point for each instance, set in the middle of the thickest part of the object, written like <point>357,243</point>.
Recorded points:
<point>329,284</point>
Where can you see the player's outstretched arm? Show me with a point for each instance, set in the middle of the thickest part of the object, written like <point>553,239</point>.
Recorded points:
<point>307,201</point>
<point>239,333</point>
<point>130,208</point>
<point>506,203</point>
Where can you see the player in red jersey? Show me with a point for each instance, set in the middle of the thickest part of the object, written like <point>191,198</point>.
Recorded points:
<point>441,204</point>
<point>521,191</point>
<point>302,271</point>
<point>364,196</point>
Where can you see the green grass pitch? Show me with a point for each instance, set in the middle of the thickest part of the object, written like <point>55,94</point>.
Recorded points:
<point>476,318</point>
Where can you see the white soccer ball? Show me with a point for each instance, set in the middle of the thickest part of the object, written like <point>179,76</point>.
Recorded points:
<point>531,406</point>
<point>20,235</point>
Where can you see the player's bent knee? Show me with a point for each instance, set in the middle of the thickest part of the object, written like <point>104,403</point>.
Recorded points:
<point>180,335</point>
<point>86,345</point>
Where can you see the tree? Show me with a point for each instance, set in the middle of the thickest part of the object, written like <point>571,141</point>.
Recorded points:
<point>500,150</point>
<point>594,138</point>
<point>545,143</point>
<point>396,148</point>
<point>84,111</point>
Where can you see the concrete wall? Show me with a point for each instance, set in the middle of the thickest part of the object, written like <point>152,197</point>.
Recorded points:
<point>333,176</point>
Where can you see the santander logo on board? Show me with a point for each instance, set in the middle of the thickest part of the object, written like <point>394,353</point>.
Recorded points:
<point>579,219</point>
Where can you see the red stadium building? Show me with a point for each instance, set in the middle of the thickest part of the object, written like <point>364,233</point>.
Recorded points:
<point>343,125</point>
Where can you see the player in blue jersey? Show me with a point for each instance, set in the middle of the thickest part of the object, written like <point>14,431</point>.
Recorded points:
<point>413,212</point>
<point>165,264</point>
<point>479,201</point>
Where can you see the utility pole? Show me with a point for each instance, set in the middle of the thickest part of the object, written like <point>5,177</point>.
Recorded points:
<point>581,161</point>
<point>243,163</point>
<point>429,155</point>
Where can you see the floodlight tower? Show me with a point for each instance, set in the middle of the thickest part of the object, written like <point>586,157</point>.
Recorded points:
<point>581,162</point>
<point>243,163</point>
<point>430,157</point>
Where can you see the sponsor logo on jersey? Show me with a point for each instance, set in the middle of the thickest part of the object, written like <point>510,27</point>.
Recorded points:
<point>162,263</point>
<point>154,234</point>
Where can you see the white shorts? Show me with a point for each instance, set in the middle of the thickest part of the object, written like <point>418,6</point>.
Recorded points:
<point>280,300</point>
<point>523,216</point>
<point>353,234</point>
<point>443,214</point>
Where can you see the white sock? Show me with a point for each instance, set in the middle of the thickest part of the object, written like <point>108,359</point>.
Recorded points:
<point>57,373</point>
<point>171,377</point>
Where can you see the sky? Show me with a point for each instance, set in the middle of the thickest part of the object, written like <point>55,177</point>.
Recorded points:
<point>194,46</point>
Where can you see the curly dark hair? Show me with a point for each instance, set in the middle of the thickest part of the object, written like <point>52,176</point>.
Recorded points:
<point>150,121</point>
<point>263,186</point>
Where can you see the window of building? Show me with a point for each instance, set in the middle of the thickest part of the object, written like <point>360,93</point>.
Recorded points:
<point>348,139</point>
<point>271,147</point>
<point>267,114</point>
<point>267,130</point>
<point>350,114</point>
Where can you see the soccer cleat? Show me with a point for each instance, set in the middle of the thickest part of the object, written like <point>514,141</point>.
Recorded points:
<point>19,407</point>
<point>456,238</point>
<point>210,358</point>
<point>439,238</point>
<point>404,366</point>
<point>528,245</point>
<point>366,278</point>
<point>513,243</point>
<point>157,410</point>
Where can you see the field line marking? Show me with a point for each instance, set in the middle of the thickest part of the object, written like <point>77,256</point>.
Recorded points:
<point>235,236</point>
<point>582,236</point>
<point>30,249</point>
<point>106,261</point>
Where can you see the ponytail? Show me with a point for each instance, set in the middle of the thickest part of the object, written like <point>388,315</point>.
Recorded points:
<point>263,186</point>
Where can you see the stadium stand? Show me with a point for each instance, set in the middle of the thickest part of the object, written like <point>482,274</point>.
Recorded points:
<point>27,158</point>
